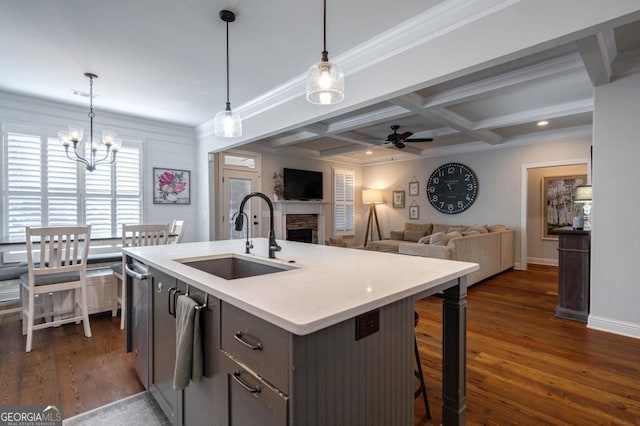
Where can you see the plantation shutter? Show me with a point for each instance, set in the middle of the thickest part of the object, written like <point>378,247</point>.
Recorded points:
<point>45,188</point>
<point>24,184</point>
<point>343,201</point>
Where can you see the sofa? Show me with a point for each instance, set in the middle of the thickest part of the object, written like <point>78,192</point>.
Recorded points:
<point>490,246</point>
<point>412,232</point>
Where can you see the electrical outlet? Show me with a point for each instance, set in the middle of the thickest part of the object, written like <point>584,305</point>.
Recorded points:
<point>367,324</point>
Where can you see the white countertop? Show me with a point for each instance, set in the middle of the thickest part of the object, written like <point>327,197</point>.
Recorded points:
<point>327,285</point>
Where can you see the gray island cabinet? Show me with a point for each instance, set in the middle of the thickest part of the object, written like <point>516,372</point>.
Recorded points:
<point>325,339</point>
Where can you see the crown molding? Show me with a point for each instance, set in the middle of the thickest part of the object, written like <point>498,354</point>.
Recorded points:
<point>432,23</point>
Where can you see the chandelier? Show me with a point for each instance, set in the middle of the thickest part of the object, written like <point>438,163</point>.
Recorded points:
<point>74,135</point>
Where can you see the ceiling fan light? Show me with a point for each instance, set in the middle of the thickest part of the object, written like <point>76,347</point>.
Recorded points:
<point>325,83</point>
<point>228,124</point>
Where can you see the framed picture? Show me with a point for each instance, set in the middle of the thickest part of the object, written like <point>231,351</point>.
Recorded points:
<point>414,212</point>
<point>171,186</point>
<point>398,199</point>
<point>414,189</point>
<point>558,208</point>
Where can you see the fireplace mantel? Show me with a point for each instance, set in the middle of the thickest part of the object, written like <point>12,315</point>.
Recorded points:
<point>284,207</point>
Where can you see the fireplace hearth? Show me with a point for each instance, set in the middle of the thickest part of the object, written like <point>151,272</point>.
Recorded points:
<point>300,235</point>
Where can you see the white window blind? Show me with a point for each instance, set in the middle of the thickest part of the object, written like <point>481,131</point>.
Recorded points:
<point>343,201</point>
<point>45,188</point>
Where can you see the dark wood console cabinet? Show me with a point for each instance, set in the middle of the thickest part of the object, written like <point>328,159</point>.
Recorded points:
<point>574,269</point>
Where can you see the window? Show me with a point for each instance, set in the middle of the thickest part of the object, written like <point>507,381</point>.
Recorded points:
<point>343,201</point>
<point>45,188</point>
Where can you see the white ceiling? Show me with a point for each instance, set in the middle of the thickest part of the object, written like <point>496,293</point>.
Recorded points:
<point>165,60</point>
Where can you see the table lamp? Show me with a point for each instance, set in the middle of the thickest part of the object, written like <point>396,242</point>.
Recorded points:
<point>583,196</point>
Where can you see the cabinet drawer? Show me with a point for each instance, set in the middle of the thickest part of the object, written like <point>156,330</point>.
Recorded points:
<point>259,345</point>
<point>250,401</point>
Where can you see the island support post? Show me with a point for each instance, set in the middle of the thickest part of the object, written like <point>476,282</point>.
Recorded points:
<point>454,354</point>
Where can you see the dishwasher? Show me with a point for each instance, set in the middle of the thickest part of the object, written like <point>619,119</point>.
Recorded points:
<point>138,333</point>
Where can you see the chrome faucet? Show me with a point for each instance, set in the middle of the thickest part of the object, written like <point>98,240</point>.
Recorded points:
<point>273,245</point>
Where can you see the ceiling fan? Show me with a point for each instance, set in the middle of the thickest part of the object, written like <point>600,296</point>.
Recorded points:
<point>398,139</point>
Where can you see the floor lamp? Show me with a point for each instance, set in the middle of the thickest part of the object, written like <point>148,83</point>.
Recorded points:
<point>372,197</point>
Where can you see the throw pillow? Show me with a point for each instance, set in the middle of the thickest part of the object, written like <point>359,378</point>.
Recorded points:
<point>459,228</point>
<point>424,240</point>
<point>479,229</point>
<point>438,227</point>
<point>397,235</point>
<point>442,239</point>
<point>496,228</point>
<point>413,235</point>
<point>471,232</point>
<point>425,227</point>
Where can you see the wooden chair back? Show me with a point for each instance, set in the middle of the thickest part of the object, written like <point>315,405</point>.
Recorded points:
<point>145,235</point>
<point>55,250</point>
<point>177,231</point>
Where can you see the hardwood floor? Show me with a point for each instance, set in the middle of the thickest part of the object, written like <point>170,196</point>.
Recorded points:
<point>524,365</point>
<point>64,368</point>
<point>527,367</point>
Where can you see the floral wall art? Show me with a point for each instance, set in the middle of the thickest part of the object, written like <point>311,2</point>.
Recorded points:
<point>171,186</point>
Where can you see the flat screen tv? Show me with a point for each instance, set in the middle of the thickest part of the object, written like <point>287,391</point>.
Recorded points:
<point>302,184</point>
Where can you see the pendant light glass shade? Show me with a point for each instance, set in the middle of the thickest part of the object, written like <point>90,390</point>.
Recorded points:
<point>325,80</point>
<point>228,124</point>
<point>325,83</point>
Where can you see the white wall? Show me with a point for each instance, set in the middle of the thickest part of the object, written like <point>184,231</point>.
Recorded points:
<point>615,254</point>
<point>499,184</point>
<point>165,145</point>
<point>275,163</point>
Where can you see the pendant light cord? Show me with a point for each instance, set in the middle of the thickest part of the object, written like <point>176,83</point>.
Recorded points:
<point>228,104</point>
<point>91,113</point>
<point>325,54</point>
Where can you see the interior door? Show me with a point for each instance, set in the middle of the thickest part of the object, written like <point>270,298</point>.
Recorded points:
<point>235,185</point>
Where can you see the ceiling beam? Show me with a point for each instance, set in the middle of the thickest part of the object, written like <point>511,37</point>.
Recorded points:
<point>598,52</point>
<point>368,119</point>
<point>293,139</point>
<point>414,103</point>
<point>537,114</point>
<point>351,138</point>
<point>482,87</point>
<point>341,150</point>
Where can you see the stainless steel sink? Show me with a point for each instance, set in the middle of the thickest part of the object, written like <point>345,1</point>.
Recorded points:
<point>233,267</point>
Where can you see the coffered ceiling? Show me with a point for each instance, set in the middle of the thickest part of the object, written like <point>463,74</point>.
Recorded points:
<point>164,60</point>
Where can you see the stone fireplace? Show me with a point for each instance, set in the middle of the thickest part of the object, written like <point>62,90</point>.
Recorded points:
<point>302,218</point>
<point>302,228</point>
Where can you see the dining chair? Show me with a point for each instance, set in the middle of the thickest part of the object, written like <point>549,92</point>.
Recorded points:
<point>135,236</point>
<point>177,231</point>
<point>57,261</point>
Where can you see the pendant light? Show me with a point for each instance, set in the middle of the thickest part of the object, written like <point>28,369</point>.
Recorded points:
<point>228,124</point>
<point>325,80</point>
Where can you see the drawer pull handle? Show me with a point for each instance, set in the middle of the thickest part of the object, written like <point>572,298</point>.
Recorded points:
<point>237,378</point>
<point>240,338</point>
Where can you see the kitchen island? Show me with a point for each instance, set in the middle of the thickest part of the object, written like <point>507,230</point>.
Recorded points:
<point>341,324</point>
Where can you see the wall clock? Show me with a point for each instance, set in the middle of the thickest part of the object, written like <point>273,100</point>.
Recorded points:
<point>452,188</point>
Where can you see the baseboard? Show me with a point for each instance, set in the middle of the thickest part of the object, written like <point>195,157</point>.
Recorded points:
<point>542,261</point>
<point>623,328</point>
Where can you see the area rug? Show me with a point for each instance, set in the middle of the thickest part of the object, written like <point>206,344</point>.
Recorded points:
<point>136,410</point>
